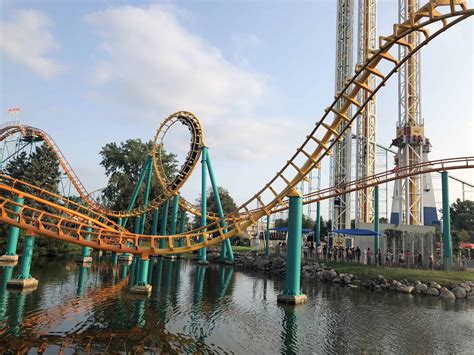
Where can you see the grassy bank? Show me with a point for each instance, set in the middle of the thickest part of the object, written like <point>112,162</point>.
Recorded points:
<point>393,273</point>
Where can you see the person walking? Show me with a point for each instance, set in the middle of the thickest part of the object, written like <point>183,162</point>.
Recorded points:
<point>358,254</point>
<point>369,256</point>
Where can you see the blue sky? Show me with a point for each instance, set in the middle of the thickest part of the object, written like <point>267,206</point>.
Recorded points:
<point>257,74</point>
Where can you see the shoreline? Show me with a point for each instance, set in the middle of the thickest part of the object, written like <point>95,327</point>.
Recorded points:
<point>321,272</point>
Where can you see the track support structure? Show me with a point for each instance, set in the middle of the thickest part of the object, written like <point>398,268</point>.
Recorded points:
<point>292,292</point>
<point>447,240</point>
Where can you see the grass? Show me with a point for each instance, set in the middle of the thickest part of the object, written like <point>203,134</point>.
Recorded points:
<point>241,249</point>
<point>394,273</point>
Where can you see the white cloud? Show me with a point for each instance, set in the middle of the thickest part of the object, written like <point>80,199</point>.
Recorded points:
<point>150,60</point>
<point>26,38</point>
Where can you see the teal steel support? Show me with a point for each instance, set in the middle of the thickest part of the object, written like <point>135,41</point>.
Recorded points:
<point>146,197</point>
<point>81,281</point>
<point>4,294</point>
<point>114,259</point>
<point>202,252</point>
<point>293,258</point>
<point>182,226</point>
<point>174,215</point>
<point>447,240</point>
<point>14,232</point>
<point>17,320</point>
<point>317,226</point>
<point>151,264</point>
<point>137,188</point>
<point>376,223</point>
<point>143,272</point>
<point>86,250</point>
<point>26,258</point>
<point>123,271</point>
<point>132,273</point>
<point>156,220</point>
<point>226,247</point>
<point>267,238</point>
<point>164,223</point>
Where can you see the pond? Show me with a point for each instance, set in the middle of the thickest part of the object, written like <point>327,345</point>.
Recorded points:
<point>216,309</point>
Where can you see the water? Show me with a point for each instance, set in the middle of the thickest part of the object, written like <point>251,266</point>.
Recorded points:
<point>215,309</point>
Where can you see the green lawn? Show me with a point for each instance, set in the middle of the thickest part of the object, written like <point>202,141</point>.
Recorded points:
<point>393,273</point>
<point>241,249</point>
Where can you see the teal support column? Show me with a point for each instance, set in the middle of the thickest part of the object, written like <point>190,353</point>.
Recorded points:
<point>150,270</point>
<point>447,240</point>
<point>86,250</point>
<point>226,247</point>
<point>147,195</point>
<point>143,272</point>
<point>174,215</point>
<point>202,252</point>
<point>139,313</point>
<point>156,220</point>
<point>292,292</point>
<point>123,271</point>
<point>317,227</point>
<point>14,232</point>
<point>7,273</point>
<point>182,226</point>
<point>114,259</point>
<point>137,188</point>
<point>26,258</point>
<point>267,238</point>
<point>17,320</point>
<point>164,223</point>
<point>376,223</point>
<point>132,273</point>
<point>81,283</point>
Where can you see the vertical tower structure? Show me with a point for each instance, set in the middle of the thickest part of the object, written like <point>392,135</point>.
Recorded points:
<point>340,170</point>
<point>366,151</point>
<point>411,193</point>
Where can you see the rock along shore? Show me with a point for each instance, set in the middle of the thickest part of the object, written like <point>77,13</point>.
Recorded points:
<point>312,270</point>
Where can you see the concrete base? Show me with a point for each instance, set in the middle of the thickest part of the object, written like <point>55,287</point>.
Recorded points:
<point>144,290</point>
<point>23,284</point>
<point>300,299</point>
<point>8,260</point>
<point>84,259</point>
<point>128,257</point>
<point>203,262</point>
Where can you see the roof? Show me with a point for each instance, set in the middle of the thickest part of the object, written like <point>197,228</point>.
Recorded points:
<point>360,232</point>
<point>466,245</point>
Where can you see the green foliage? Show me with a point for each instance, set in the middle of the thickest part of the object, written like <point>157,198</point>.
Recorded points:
<point>307,223</point>
<point>383,220</point>
<point>462,220</point>
<point>41,169</point>
<point>123,164</point>
<point>228,204</point>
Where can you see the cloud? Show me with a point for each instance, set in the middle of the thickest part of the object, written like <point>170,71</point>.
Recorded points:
<point>148,59</point>
<point>26,38</point>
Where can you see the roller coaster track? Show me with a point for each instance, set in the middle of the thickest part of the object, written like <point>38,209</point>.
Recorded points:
<point>57,222</point>
<point>170,186</point>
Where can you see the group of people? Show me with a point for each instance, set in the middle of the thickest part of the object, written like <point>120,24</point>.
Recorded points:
<point>365,256</point>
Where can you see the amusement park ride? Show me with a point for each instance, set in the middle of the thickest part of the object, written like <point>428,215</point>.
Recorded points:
<point>91,225</point>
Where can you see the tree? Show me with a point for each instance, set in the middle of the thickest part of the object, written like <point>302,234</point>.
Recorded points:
<point>123,164</point>
<point>462,218</point>
<point>307,222</point>
<point>41,169</point>
<point>228,204</point>
<point>383,220</point>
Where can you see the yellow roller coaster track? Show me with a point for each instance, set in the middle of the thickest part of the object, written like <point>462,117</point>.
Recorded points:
<point>58,222</point>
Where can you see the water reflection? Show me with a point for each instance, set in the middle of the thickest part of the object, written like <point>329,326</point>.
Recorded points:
<point>213,308</point>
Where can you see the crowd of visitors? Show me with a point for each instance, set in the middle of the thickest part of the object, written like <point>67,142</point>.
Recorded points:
<point>362,256</point>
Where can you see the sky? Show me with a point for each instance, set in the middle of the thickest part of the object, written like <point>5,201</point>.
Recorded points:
<point>258,75</point>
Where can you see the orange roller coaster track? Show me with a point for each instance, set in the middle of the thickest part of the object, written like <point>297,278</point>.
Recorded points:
<point>58,222</point>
